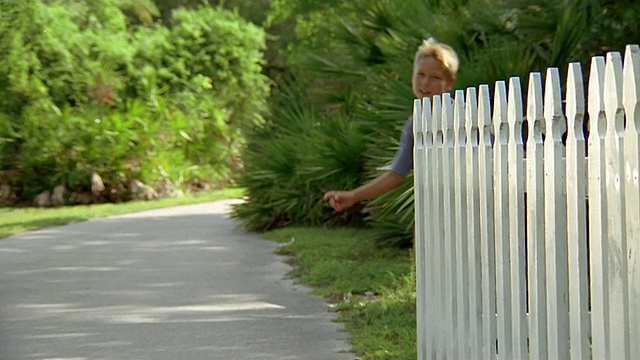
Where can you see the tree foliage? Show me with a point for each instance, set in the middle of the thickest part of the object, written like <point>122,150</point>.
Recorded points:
<point>88,87</point>
<point>357,62</point>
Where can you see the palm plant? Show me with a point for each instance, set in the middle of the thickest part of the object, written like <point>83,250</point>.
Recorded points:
<point>495,40</point>
<point>293,159</point>
<point>363,73</point>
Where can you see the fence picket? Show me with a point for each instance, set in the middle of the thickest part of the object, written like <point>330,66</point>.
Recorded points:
<point>598,252</point>
<point>616,237</point>
<point>501,222</point>
<point>536,256</point>
<point>631,103</point>
<point>449,226</point>
<point>485,192</point>
<point>419,198</point>
<point>473,224</point>
<point>428,240</point>
<point>438,246</point>
<point>576,216</point>
<point>460,207</point>
<point>515,150</point>
<point>555,220</point>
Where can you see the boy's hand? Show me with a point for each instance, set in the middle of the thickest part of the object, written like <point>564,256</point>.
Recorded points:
<point>340,200</point>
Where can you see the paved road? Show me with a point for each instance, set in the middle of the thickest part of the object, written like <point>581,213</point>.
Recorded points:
<point>177,283</point>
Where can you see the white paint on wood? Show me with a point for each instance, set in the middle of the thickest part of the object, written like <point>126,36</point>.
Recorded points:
<point>428,240</point>
<point>516,210</point>
<point>576,216</point>
<point>501,222</point>
<point>536,254</point>
<point>438,236</point>
<point>473,224</point>
<point>485,192</point>
<point>555,220</point>
<point>598,252</point>
<point>479,190</point>
<point>449,227</point>
<point>420,217</point>
<point>616,242</point>
<point>631,101</point>
<point>460,223</point>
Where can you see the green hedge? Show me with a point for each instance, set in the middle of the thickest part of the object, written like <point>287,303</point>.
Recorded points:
<point>85,89</point>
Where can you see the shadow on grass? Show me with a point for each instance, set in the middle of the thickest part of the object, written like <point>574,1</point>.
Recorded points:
<point>9,229</point>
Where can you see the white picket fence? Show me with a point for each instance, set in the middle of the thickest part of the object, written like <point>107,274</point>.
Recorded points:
<point>530,248</point>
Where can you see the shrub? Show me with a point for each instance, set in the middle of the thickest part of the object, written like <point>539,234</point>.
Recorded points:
<point>293,159</point>
<point>93,93</point>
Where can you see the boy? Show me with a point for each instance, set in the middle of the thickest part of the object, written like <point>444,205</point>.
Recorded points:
<point>434,72</point>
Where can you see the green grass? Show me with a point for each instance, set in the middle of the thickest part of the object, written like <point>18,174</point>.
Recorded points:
<point>18,220</point>
<point>373,288</point>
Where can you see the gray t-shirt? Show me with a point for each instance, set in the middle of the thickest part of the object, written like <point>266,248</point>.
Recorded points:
<point>403,162</point>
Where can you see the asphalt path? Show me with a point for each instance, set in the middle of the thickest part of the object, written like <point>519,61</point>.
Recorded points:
<point>177,283</point>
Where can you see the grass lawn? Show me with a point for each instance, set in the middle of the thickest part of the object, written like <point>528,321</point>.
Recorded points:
<point>17,220</point>
<point>372,288</point>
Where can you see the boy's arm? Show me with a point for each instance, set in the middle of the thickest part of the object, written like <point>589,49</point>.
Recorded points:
<point>378,186</point>
<point>341,200</point>
<point>402,164</point>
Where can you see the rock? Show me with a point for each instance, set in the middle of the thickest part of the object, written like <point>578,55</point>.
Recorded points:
<point>370,296</point>
<point>43,199</point>
<point>57,196</point>
<point>5,192</point>
<point>141,191</point>
<point>80,198</point>
<point>97,186</point>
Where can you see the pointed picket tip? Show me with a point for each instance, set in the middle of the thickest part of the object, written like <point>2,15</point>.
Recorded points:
<point>552,96</point>
<point>613,88</point>
<point>631,74</point>
<point>500,113</point>
<point>426,113</point>
<point>535,108</point>
<point>436,118</point>
<point>596,96</point>
<point>447,111</point>
<point>515,102</point>
<point>417,117</point>
<point>458,110</point>
<point>596,84</point>
<point>575,89</point>
<point>484,107</point>
<point>575,99</point>
<point>471,110</point>
<point>484,116</point>
<point>500,103</point>
<point>426,121</point>
<point>471,117</point>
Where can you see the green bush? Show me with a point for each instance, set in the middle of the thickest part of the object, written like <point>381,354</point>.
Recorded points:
<point>222,47</point>
<point>356,60</point>
<point>293,159</point>
<point>65,146</point>
<point>83,90</point>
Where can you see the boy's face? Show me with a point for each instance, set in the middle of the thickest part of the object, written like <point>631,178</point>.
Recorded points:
<point>430,78</point>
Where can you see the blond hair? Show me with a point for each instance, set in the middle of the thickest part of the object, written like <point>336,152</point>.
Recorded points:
<point>441,52</point>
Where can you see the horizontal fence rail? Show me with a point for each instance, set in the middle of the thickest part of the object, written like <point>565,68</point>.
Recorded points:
<point>528,217</point>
